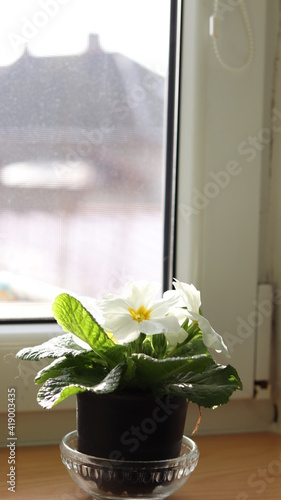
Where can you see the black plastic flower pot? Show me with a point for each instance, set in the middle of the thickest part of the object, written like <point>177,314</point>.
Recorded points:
<point>132,427</point>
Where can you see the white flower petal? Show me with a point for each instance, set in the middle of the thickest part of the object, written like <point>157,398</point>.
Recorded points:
<point>174,337</point>
<point>171,323</point>
<point>163,306</point>
<point>130,338</point>
<point>211,338</point>
<point>180,314</point>
<point>190,295</point>
<point>113,304</point>
<point>151,327</point>
<point>140,293</point>
<point>120,325</point>
<point>175,296</point>
<point>135,311</point>
<point>160,325</point>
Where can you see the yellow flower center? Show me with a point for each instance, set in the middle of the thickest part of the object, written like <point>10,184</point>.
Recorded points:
<point>141,314</point>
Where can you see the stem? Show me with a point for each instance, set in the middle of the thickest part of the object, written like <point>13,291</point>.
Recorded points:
<point>140,341</point>
<point>135,347</point>
<point>170,354</point>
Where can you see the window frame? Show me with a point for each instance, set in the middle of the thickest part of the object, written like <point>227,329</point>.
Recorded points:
<point>172,133</point>
<point>249,410</point>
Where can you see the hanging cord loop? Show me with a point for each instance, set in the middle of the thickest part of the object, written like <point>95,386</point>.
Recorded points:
<point>214,33</point>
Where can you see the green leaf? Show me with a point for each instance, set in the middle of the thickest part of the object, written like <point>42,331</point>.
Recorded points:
<point>72,316</point>
<point>116,354</point>
<point>151,371</point>
<point>54,369</point>
<point>211,388</point>
<point>112,380</point>
<point>63,345</point>
<point>128,374</point>
<point>72,381</point>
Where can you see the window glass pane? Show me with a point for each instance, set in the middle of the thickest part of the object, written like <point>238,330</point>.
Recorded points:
<point>82,157</point>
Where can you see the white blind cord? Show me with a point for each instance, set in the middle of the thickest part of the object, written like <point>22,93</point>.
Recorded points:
<point>214,32</point>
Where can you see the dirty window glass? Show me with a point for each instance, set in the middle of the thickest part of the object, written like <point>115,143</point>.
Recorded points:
<point>82,148</point>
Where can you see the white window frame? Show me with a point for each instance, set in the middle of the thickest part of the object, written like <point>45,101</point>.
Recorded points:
<point>219,112</point>
<point>226,294</point>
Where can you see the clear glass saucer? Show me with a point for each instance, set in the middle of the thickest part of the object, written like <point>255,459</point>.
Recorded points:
<point>116,479</point>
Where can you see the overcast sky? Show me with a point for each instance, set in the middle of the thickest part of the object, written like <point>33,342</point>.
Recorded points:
<point>136,28</point>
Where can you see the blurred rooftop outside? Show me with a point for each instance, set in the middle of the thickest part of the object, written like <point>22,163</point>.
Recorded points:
<point>81,174</point>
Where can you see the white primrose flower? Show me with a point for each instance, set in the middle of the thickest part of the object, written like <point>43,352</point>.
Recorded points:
<point>177,336</point>
<point>136,312</point>
<point>189,297</point>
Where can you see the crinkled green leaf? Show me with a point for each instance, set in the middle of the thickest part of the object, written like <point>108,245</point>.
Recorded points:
<point>72,381</point>
<point>63,345</point>
<point>211,388</point>
<point>72,316</point>
<point>54,369</point>
<point>150,371</point>
<point>112,380</point>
